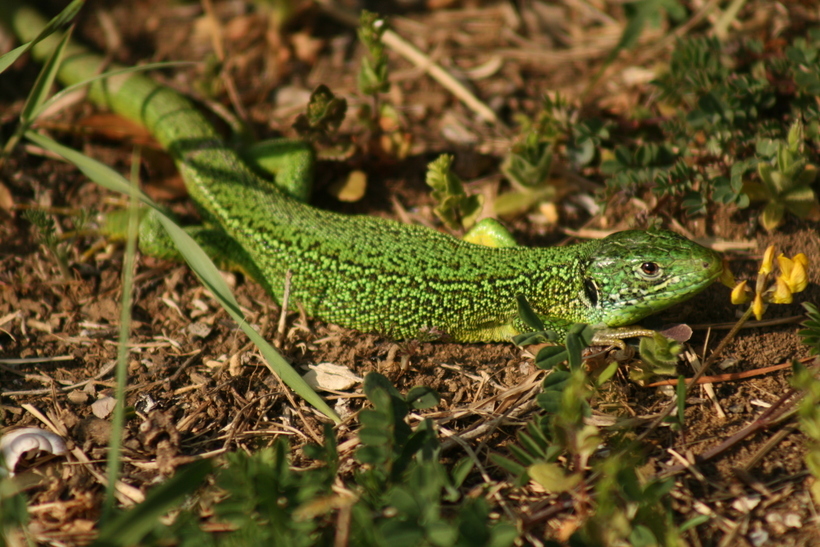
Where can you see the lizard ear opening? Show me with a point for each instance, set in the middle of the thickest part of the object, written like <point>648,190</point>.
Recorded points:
<point>591,290</point>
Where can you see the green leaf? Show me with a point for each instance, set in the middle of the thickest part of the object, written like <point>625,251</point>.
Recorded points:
<point>374,437</point>
<point>642,536</point>
<point>442,533</point>
<point>375,381</point>
<point>516,202</point>
<point>693,522</point>
<point>529,444</point>
<point>810,334</point>
<point>490,233</point>
<point>557,381</point>
<point>461,470</point>
<point>795,137</point>
<point>587,440</point>
<point>680,391</point>
<point>528,316</point>
<point>766,148</point>
<point>7,59</point>
<point>522,455</point>
<point>806,176</point>
<point>579,336</point>
<point>607,373</point>
<point>636,14</point>
<point>800,201</point>
<point>503,535</point>
<point>551,402</point>
<point>550,357</point>
<point>531,338</point>
<point>772,216</point>
<point>511,466</point>
<point>422,397</point>
<point>552,477</point>
<point>372,77</point>
<point>372,455</point>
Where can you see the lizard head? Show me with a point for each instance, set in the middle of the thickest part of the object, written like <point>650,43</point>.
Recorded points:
<point>633,274</point>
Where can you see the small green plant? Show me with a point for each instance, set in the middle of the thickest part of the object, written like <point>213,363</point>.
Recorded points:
<point>721,119</point>
<point>659,356</point>
<point>388,137</point>
<point>786,177</point>
<point>558,451</point>
<point>559,130</point>
<point>805,380</point>
<point>565,400</point>
<point>410,497</point>
<point>373,72</point>
<point>324,114</point>
<point>454,206</point>
<point>811,328</point>
<point>47,230</point>
<point>529,162</point>
<point>400,493</point>
<point>809,411</point>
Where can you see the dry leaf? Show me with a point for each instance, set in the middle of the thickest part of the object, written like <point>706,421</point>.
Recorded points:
<point>6,201</point>
<point>327,376</point>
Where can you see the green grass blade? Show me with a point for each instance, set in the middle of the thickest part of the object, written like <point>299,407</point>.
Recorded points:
<point>38,94</point>
<point>42,87</point>
<point>60,20</point>
<point>110,74</point>
<point>199,262</point>
<point>118,419</point>
<point>7,59</point>
<point>130,527</point>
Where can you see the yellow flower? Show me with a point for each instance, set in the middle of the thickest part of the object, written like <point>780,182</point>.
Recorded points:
<point>768,261</point>
<point>758,307</point>
<point>785,265</point>
<point>782,292</point>
<point>793,272</point>
<point>727,277</point>
<point>798,280</point>
<point>739,294</point>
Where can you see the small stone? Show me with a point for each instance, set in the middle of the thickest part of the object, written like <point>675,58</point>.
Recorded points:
<point>102,408</point>
<point>77,397</point>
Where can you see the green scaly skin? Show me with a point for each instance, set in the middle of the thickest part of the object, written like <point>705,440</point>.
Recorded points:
<point>376,275</point>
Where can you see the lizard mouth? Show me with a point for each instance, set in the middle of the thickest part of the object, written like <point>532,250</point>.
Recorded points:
<point>718,268</point>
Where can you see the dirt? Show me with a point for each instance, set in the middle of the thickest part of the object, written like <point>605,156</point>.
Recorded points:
<point>198,385</point>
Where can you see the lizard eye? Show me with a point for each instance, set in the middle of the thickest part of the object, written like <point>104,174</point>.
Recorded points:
<point>650,269</point>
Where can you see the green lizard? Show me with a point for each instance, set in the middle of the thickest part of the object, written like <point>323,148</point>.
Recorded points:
<point>378,275</point>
